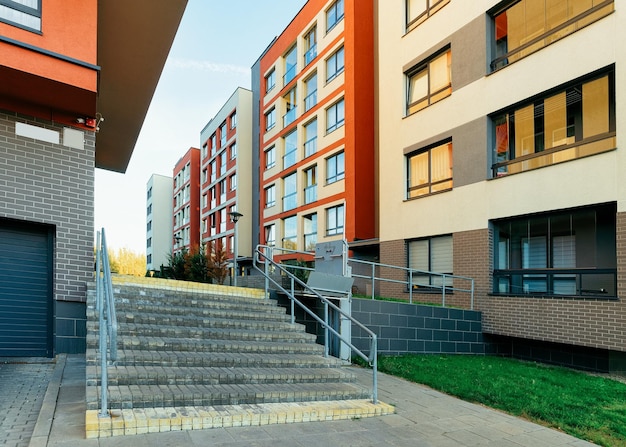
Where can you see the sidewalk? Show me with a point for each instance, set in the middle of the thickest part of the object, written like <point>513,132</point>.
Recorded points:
<point>423,418</point>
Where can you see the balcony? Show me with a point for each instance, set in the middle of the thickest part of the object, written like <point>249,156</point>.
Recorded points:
<point>290,157</point>
<point>289,75</point>
<point>290,201</point>
<point>310,147</point>
<point>289,117</point>
<point>310,55</point>
<point>310,101</point>
<point>310,194</point>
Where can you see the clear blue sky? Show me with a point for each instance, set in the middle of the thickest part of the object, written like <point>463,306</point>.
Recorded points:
<point>217,43</point>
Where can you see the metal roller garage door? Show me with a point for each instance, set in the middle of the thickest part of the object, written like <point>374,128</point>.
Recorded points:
<point>25,290</point>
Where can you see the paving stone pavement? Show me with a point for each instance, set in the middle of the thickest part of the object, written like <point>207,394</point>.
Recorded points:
<point>424,418</point>
<point>23,384</point>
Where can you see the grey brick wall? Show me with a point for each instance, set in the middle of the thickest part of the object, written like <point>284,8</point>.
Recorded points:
<point>53,184</point>
<point>409,328</point>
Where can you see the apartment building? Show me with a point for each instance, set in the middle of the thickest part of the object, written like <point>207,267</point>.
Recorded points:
<point>159,221</point>
<point>499,160</point>
<point>64,67</point>
<point>226,177</point>
<point>314,86</point>
<point>186,202</point>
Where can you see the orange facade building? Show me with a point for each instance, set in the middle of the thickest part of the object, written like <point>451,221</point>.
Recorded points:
<point>316,124</point>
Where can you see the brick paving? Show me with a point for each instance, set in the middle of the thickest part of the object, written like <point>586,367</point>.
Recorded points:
<point>23,385</point>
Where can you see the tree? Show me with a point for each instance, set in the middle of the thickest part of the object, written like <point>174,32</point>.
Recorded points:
<point>217,261</point>
<point>127,262</point>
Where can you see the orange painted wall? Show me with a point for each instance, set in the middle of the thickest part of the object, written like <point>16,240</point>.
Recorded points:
<point>69,28</point>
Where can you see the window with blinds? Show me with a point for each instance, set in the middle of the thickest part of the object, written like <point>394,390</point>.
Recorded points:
<point>428,259</point>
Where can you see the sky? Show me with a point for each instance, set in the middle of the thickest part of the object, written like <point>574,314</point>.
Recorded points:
<point>216,44</point>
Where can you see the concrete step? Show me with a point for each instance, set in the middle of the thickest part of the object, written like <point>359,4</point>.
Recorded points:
<point>227,320</point>
<point>132,330</point>
<point>224,359</point>
<point>149,396</point>
<point>160,375</point>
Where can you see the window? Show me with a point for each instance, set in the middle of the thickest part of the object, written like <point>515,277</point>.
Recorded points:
<point>310,232</point>
<point>290,192</point>
<point>205,200</point>
<point>335,168</point>
<point>291,149</point>
<point>270,235</point>
<point>434,255</point>
<point>233,120</point>
<point>429,170</point>
<point>429,82</point>
<point>569,252</point>
<point>334,220</point>
<point>149,209</point>
<point>213,169</point>
<point>223,220</point>
<point>270,196</point>
<point>290,233</point>
<point>21,13</point>
<point>335,116</point>
<point>149,226</point>
<point>334,65</point>
<point>270,157</point>
<point>233,182</point>
<point>419,10</point>
<point>310,185</point>
<point>575,121</point>
<point>310,135</point>
<point>334,14</point>
<point>270,119</point>
<point>223,162</point>
<point>311,92</point>
<point>205,151</point>
<point>149,193</point>
<point>291,62</point>
<point>290,100</point>
<point>205,175</point>
<point>223,134</point>
<point>310,46</point>
<point>223,191</point>
<point>233,151</point>
<point>527,26</point>
<point>213,144</point>
<point>270,81</point>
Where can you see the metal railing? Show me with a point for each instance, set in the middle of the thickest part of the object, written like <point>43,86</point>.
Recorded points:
<point>437,282</point>
<point>105,305</point>
<point>264,257</point>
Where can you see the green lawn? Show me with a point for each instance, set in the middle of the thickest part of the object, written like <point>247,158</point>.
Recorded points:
<point>588,407</point>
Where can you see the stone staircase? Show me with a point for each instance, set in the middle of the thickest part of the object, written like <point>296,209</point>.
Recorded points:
<point>194,356</point>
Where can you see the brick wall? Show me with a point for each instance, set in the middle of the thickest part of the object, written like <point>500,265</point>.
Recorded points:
<point>54,184</point>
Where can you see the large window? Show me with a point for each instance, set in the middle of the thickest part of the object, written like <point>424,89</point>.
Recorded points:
<point>290,100</point>
<point>334,15</point>
<point>335,168</point>
<point>311,92</point>
<point>334,220</point>
<point>310,185</point>
<point>310,135</point>
<point>310,46</point>
<point>310,232</point>
<point>429,258</point>
<point>291,149</point>
<point>429,82</point>
<point>335,65</point>
<point>290,192</point>
<point>335,116</point>
<point>419,10</point>
<point>526,26</point>
<point>570,252</point>
<point>223,134</point>
<point>22,13</point>
<point>291,62</point>
<point>572,122</point>
<point>429,170</point>
<point>290,233</point>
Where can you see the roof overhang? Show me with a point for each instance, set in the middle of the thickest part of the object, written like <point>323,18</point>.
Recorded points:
<point>134,40</point>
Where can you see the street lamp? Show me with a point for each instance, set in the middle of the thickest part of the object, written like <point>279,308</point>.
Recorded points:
<point>234,217</point>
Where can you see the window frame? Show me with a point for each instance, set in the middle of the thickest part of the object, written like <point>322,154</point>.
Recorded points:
<point>335,65</point>
<point>270,196</point>
<point>270,162</point>
<point>338,222</point>
<point>432,6</point>
<point>431,97</point>
<point>270,80</point>
<point>428,150</point>
<point>270,124</point>
<point>27,11</point>
<point>332,11</point>
<point>338,175</point>
<point>433,284</point>
<point>334,111</point>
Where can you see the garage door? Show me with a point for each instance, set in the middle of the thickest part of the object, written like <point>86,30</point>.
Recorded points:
<point>25,290</point>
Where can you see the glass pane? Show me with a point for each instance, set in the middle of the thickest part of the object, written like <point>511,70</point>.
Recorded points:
<point>516,25</point>
<point>578,6</point>
<point>440,72</point>
<point>555,121</point>
<point>441,254</point>
<point>441,163</point>
<point>418,170</point>
<point>418,255</point>
<point>525,131</point>
<point>415,9</point>
<point>535,19</point>
<point>556,13</point>
<point>564,252</point>
<point>418,86</point>
<point>596,107</point>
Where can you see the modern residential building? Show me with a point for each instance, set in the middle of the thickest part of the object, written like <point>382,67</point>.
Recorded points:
<point>314,86</point>
<point>159,221</point>
<point>186,202</point>
<point>499,126</point>
<point>226,177</point>
<point>64,67</point>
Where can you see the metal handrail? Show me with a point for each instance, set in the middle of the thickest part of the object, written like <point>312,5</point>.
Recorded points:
<point>105,304</point>
<point>410,283</point>
<point>262,258</point>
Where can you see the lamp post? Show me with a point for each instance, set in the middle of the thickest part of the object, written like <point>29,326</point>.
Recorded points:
<point>234,217</point>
